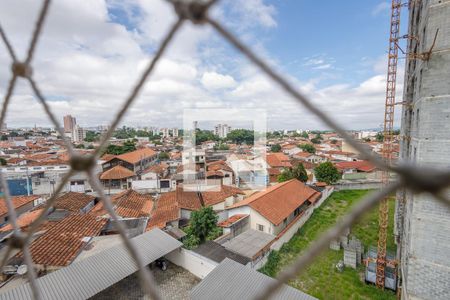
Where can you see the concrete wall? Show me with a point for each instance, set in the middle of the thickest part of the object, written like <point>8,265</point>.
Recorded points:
<point>423,224</point>
<point>357,185</point>
<point>196,264</point>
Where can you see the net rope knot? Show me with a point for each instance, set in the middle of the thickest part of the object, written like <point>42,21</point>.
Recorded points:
<point>18,240</point>
<point>21,69</point>
<point>82,163</point>
<point>191,10</point>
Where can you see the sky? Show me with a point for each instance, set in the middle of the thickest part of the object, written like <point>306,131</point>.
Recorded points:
<point>91,54</point>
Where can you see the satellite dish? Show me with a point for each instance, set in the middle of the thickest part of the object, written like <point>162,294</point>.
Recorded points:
<point>21,270</point>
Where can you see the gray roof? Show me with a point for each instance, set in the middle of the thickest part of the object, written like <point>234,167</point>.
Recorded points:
<point>218,253</point>
<point>231,280</point>
<point>249,243</point>
<point>84,279</point>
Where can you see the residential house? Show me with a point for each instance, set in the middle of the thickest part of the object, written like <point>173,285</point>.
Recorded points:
<point>272,210</point>
<point>358,170</point>
<point>73,202</point>
<point>21,204</point>
<point>290,149</point>
<point>249,172</point>
<point>60,244</point>
<point>310,157</point>
<point>220,170</point>
<point>135,161</point>
<point>154,179</point>
<point>185,202</point>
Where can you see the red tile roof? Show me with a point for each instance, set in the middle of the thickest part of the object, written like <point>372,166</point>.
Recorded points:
<point>73,201</point>
<point>277,160</point>
<point>117,172</point>
<point>231,220</point>
<point>169,204</point>
<point>157,168</point>
<point>24,220</point>
<point>277,202</point>
<point>17,201</point>
<point>137,155</point>
<point>360,165</point>
<point>131,204</point>
<point>61,243</point>
<point>166,210</point>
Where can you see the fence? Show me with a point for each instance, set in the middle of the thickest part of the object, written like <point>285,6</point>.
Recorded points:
<point>409,176</point>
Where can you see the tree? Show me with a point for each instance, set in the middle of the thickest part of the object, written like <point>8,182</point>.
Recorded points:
<point>334,142</point>
<point>297,172</point>
<point>163,156</point>
<point>202,227</point>
<point>275,148</point>
<point>308,148</point>
<point>379,137</point>
<point>240,136</point>
<point>129,146</point>
<point>90,146</point>
<point>204,135</point>
<point>79,146</point>
<point>316,140</point>
<point>3,161</point>
<point>327,172</point>
<point>91,136</point>
<point>304,135</point>
<point>4,138</point>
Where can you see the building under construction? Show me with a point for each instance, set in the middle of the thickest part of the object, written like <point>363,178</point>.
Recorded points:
<point>422,223</point>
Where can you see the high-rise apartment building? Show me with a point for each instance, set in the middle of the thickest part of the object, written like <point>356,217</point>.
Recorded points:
<point>222,130</point>
<point>423,223</point>
<point>78,134</point>
<point>69,123</point>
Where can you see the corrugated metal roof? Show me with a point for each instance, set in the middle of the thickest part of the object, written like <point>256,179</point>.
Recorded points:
<point>90,276</point>
<point>249,243</point>
<point>231,280</point>
<point>218,253</point>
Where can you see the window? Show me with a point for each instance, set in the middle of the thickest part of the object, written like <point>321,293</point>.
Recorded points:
<point>296,211</point>
<point>285,222</point>
<point>260,227</point>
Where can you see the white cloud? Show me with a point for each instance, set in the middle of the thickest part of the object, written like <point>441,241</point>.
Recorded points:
<point>380,8</point>
<point>87,64</point>
<point>213,81</point>
<point>255,13</point>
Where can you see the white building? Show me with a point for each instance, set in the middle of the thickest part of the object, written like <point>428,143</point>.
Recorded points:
<point>78,134</point>
<point>222,130</point>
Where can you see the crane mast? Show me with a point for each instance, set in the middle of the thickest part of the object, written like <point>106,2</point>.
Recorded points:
<point>387,149</point>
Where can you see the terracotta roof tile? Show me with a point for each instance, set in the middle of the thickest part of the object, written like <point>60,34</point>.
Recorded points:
<point>277,202</point>
<point>131,204</point>
<point>73,201</point>
<point>360,165</point>
<point>61,243</point>
<point>17,201</point>
<point>116,172</point>
<point>157,168</point>
<point>137,155</point>
<point>231,220</point>
<point>24,220</point>
<point>278,160</point>
<point>166,210</point>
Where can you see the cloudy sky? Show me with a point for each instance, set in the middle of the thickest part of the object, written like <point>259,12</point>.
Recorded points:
<point>93,51</point>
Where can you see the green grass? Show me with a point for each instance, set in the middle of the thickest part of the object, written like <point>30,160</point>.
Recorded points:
<point>321,279</point>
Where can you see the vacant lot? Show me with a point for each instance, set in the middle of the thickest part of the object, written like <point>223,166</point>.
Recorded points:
<point>321,279</point>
